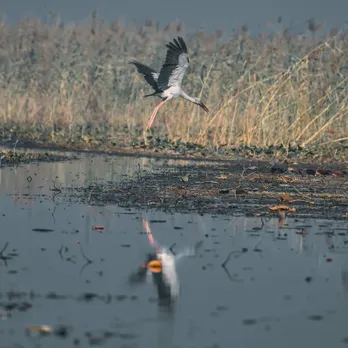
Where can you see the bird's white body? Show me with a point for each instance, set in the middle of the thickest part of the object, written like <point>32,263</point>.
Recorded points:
<point>171,93</point>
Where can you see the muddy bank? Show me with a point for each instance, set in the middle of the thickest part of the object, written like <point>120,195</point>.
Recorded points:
<point>123,143</point>
<point>251,188</point>
<point>18,156</point>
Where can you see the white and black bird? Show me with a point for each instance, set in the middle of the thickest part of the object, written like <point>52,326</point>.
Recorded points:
<point>167,83</point>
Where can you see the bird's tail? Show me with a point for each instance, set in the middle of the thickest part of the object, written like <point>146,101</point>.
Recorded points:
<point>152,94</point>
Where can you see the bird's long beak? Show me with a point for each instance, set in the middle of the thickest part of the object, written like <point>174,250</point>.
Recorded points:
<point>201,104</point>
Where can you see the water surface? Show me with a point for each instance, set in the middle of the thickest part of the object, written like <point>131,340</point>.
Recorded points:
<point>279,288</point>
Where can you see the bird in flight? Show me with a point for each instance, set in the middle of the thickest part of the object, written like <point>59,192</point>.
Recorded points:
<point>167,83</point>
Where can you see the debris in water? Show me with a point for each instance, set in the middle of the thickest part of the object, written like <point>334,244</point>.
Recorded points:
<point>62,331</point>
<point>282,208</point>
<point>2,257</point>
<point>4,315</point>
<point>285,198</point>
<point>88,260</point>
<point>315,317</point>
<point>42,329</point>
<point>185,178</point>
<point>249,321</point>
<point>42,230</point>
<point>303,233</point>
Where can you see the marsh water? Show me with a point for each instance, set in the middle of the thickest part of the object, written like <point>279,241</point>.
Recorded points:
<point>280,288</point>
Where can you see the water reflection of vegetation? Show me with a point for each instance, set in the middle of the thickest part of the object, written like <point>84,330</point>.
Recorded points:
<point>31,178</point>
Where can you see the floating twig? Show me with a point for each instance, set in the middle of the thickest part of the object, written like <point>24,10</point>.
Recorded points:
<point>303,195</point>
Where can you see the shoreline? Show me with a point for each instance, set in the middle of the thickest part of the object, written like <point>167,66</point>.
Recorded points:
<point>188,152</point>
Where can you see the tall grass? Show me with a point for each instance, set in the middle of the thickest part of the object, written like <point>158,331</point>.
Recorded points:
<point>74,80</point>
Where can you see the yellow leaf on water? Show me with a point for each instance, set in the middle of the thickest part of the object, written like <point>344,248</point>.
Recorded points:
<point>282,208</point>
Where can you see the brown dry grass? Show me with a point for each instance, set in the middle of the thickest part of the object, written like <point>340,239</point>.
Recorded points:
<point>261,91</point>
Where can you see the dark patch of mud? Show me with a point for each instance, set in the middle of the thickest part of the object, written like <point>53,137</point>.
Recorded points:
<point>15,157</point>
<point>251,188</point>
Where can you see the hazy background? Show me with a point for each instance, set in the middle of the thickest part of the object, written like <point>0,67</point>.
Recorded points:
<point>211,14</point>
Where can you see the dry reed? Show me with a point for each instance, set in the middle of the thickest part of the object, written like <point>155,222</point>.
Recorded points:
<point>74,81</point>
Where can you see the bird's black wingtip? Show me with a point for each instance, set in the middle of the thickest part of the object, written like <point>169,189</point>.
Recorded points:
<point>177,43</point>
<point>183,44</point>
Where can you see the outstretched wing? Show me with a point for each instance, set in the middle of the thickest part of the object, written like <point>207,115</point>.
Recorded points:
<point>175,65</point>
<point>148,73</point>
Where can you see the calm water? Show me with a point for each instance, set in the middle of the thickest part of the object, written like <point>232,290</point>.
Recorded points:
<point>263,299</point>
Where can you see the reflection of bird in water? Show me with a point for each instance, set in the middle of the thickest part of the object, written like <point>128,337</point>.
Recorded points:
<point>162,265</point>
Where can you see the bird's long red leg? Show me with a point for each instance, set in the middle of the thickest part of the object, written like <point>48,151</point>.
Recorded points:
<point>152,118</point>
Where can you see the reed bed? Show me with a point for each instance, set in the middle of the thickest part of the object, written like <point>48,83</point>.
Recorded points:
<point>74,82</point>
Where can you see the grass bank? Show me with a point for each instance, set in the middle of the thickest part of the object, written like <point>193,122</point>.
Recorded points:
<point>72,84</point>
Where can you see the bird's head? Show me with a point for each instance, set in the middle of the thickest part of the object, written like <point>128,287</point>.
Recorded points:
<point>201,104</point>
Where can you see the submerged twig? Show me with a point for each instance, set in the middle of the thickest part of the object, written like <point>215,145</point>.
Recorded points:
<point>171,249</point>
<point>3,249</point>
<point>224,264</point>
<point>60,252</point>
<point>65,249</point>
<point>90,195</point>
<point>56,190</point>
<point>2,257</point>
<point>256,247</point>
<point>54,210</point>
<point>14,146</point>
<point>88,260</point>
<point>226,260</point>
